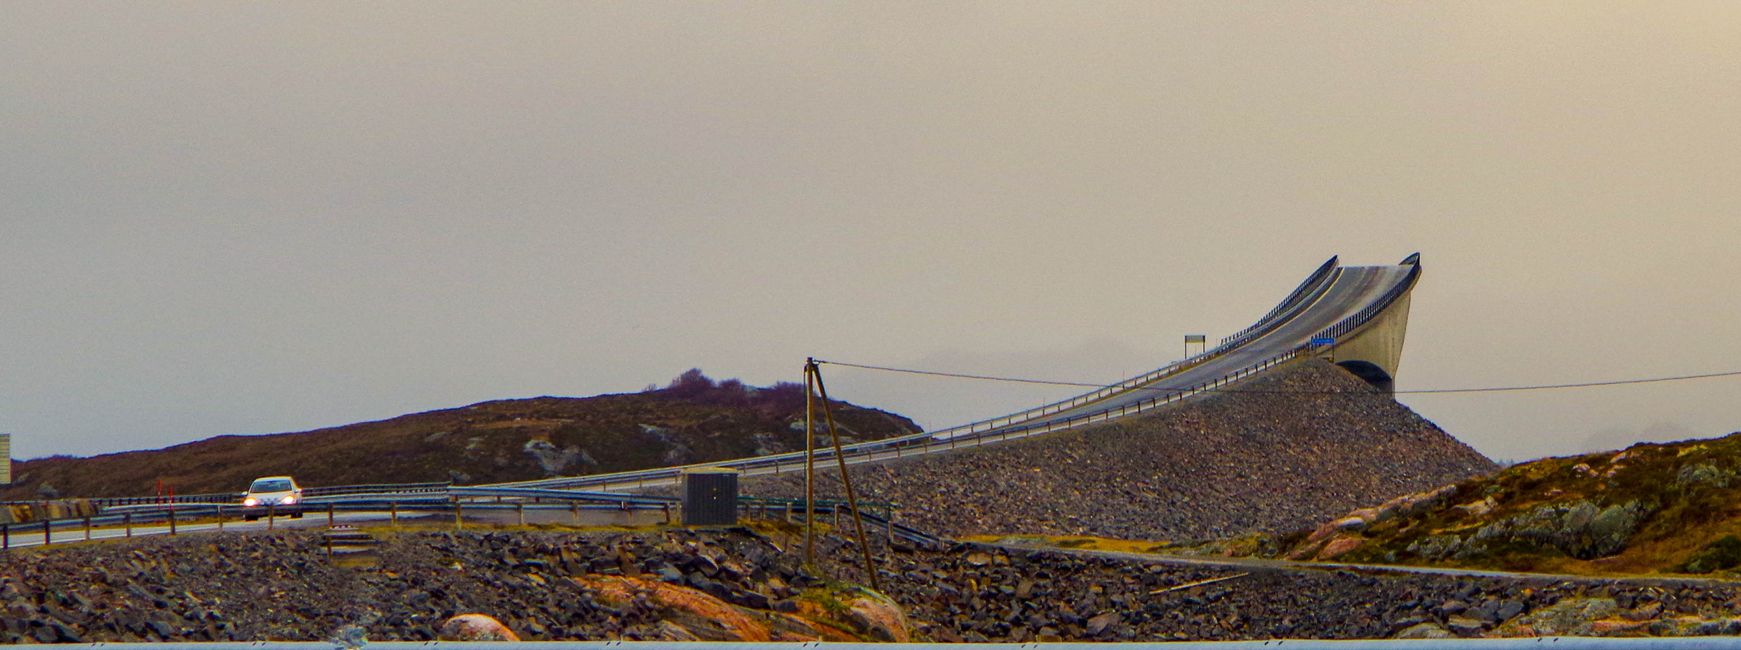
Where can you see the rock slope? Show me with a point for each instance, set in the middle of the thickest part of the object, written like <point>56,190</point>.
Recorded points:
<point>1652,508</point>
<point>694,419</point>
<point>1276,453</point>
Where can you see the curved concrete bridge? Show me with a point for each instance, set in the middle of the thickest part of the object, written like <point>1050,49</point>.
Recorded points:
<point>1356,316</point>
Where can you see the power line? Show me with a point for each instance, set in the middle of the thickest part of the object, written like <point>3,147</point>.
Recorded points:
<point>1421,391</point>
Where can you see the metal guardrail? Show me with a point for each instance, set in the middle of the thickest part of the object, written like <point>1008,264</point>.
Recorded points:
<point>236,497</point>
<point>1314,285</point>
<point>378,488</point>
<point>216,497</point>
<point>1350,324</point>
<point>176,516</point>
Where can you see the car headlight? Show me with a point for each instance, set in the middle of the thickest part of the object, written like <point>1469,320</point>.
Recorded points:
<point>288,500</point>
<point>250,502</point>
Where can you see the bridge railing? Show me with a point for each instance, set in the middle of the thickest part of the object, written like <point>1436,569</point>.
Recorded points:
<point>1348,325</point>
<point>971,436</point>
<point>1302,296</point>
<point>1315,285</point>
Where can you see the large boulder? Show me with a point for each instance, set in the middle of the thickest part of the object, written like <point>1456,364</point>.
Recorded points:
<point>476,627</point>
<point>878,618</point>
<point>1579,528</point>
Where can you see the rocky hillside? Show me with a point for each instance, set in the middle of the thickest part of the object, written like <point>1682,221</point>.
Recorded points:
<point>1278,453</point>
<point>1653,508</point>
<point>694,419</point>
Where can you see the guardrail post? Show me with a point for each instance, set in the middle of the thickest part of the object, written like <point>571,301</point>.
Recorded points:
<point>220,511</point>
<point>667,508</point>
<point>520,511</point>
<point>46,533</point>
<point>172,521</point>
<point>458,517</point>
<point>87,528</point>
<point>127,520</point>
<point>329,513</point>
<point>5,536</point>
<point>393,512</point>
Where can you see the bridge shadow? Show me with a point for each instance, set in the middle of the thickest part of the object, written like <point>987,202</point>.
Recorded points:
<point>1371,373</point>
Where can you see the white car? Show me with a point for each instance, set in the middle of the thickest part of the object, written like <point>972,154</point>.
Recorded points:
<point>277,495</point>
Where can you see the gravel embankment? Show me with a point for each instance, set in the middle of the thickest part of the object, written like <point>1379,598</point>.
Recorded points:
<point>1280,453</point>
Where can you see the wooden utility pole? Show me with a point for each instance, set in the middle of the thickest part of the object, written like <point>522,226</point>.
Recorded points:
<point>809,462</point>
<point>846,479</point>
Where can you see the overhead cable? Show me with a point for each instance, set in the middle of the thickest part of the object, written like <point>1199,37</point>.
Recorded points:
<point>1225,389</point>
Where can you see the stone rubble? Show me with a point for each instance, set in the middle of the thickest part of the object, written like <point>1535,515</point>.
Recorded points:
<point>738,584</point>
<point>1279,453</point>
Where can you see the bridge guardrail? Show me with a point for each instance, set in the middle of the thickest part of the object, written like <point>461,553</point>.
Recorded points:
<point>1376,307</point>
<point>1314,285</point>
<point>1302,295</point>
<point>870,449</point>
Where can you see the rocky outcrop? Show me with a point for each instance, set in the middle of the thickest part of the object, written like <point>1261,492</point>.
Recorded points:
<point>1334,539</point>
<point>1276,453</point>
<point>1659,507</point>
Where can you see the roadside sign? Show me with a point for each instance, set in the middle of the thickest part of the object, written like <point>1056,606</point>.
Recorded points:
<point>1323,340</point>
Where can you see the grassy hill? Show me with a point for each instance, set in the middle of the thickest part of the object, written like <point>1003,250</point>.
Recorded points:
<point>694,419</point>
<point>1652,508</point>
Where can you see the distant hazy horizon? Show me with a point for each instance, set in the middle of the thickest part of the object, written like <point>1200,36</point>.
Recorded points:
<point>246,218</point>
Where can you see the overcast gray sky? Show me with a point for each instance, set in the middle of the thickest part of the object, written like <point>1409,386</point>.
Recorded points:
<point>246,218</point>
